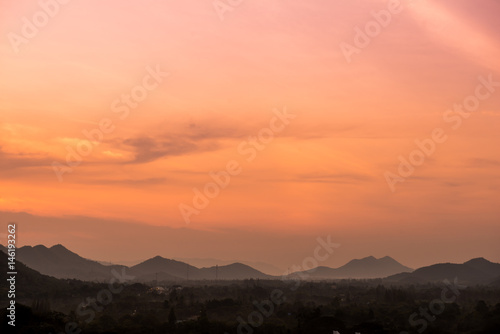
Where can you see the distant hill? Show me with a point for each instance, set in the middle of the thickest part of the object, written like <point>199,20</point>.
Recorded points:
<point>29,282</point>
<point>59,262</point>
<point>235,271</point>
<point>169,269</point>
<point>475,271</point>
<point>208,262</point>
<point>174,270</point>
<point>482,265</point>
<point>368,267</point>
<point>495,283</point>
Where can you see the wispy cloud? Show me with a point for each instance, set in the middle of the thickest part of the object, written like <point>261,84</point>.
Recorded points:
<point>482,163</point>
<point>22,160</point>
<point>127,182</point>
<point>148,149</point>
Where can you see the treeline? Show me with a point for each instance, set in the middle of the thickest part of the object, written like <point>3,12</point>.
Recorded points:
<point>267,307</point>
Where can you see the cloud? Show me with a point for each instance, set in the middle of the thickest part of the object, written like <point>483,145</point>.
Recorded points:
<point>182,138</point>
<point>341,178</point>
<point>149,149</point>
<point>333,178</point>
<point>9,161</point>
<point>129,182</point>
<point>112,154</point>
<point>482,163</point>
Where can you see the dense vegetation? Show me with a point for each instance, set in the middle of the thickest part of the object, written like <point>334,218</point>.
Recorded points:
<point>255,306</point>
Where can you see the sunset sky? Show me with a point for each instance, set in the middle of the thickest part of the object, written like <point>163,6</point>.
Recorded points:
<point>229,74</point>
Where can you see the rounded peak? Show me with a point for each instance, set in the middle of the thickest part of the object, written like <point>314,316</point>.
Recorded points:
<point>58,246</point>
<point>162,259</point>
<point>237,265</point>
<point>478,260</point>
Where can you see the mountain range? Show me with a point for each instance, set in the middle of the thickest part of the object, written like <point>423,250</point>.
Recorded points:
<point>475,271</point>
<point>208,262</point>
<point>28,282</point>
<point>368,267</point>
<point>59,262</point>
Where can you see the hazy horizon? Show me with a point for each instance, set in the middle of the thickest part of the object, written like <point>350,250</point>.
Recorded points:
<point>107,249</point>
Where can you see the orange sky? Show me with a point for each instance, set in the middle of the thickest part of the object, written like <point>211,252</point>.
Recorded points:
<point>323,173</point>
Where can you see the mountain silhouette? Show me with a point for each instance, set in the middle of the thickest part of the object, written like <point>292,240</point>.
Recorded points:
<point>175,270</point>
<point>209,262</point>
<point>475,271</point>
<point>235,271</point>
<point>29,282</point>
<point>368,267</point>
<point>165,268</point>
<point>59,262</point>
<point>483,265</point>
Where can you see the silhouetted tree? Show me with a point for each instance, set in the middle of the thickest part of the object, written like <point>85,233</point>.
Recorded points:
<point>172,319</point>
